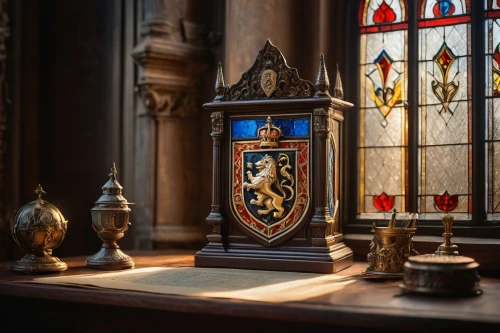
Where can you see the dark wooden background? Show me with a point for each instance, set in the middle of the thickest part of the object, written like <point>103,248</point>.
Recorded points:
<point>71,80</point>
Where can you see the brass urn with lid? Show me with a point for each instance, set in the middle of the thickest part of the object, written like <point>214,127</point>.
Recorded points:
<point>38,227</point>
<point>110,219</point>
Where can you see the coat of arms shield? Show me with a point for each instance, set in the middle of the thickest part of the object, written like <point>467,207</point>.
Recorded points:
<point>270,187</point>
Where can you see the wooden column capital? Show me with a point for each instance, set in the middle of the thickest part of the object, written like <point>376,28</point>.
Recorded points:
<point>171,60</point>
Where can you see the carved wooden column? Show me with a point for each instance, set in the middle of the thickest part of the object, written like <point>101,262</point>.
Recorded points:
<point>326,222</point>
<point>171,56</point>
<point>319,223</point>
<point>215,217</point>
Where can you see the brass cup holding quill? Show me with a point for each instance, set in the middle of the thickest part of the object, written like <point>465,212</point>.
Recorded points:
<point>391,247</point>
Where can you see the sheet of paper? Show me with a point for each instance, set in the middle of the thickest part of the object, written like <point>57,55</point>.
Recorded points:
<point>254,285</point>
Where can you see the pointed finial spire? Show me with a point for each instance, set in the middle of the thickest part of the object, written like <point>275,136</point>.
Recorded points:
<point>39,190</point>
<point>219,84</point>
<point>322,81</point>
<point>338,91</point>
<point>113,171</point>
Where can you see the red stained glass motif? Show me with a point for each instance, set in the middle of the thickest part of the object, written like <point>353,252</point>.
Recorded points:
<point>383,202</point>
<point>445,202</point>
<point>384,14</point>
<point>446,59</point>
<point>384,62</point>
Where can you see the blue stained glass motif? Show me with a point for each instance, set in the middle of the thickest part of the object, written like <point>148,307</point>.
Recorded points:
<point>445,6</point>
<point>289,127</point>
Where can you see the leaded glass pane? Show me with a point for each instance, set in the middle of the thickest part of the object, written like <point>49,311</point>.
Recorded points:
<point>391,42</point>
<point>443,8</point>
<point>493,180</point>
<point>383,174</point>
<point>382,127</point>
<point>445,114</point>
<point>492,4</point>
<point>380,136</point>
<point>492,51</point>
<point>382,121</point>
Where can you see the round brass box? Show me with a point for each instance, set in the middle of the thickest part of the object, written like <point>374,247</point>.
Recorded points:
<point>441,274</point>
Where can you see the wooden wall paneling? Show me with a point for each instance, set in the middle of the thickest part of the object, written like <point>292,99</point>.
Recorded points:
<point>128,106</point>
<point>172,56</point>
<point>250,23</point>
<point>23,92</point>
<point>4,113</point>
<point>80,117</point>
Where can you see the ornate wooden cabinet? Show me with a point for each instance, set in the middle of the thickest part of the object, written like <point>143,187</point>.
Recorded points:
<point>276,171</point>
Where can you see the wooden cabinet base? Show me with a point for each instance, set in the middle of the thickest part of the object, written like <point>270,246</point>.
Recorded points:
<point>311,259</point>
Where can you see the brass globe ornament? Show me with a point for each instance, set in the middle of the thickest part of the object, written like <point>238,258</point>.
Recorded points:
<point>110,219</point>
<point>39,227</point>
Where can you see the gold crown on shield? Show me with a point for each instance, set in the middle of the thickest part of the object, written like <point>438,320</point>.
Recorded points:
<point>269,134</point>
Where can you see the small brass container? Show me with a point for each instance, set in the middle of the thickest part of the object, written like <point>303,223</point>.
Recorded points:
<point>110,219</point>
<point>390,248</point>
<point>39,227</point>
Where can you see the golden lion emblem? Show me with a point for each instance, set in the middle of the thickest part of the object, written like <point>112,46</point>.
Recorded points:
<point>264,180</point>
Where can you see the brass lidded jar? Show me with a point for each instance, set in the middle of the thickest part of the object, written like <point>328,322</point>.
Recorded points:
<point>38,227</point>
<point>110,219</point>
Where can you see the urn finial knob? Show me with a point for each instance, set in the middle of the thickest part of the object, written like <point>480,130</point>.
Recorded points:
<point>113,172</point>
<point>39,190</point>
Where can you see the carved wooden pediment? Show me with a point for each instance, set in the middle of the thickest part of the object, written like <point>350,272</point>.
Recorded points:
<point>269,77</point>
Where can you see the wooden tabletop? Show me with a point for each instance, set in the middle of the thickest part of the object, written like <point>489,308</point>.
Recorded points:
<point>364,303</point>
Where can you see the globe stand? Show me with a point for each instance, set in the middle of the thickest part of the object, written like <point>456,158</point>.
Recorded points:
<point>34,263</point>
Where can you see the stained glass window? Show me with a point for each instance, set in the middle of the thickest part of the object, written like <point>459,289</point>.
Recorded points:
<point>445,107</point>
<point>492,51</point>
<point>382,144</point>
<point>447,116</point>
